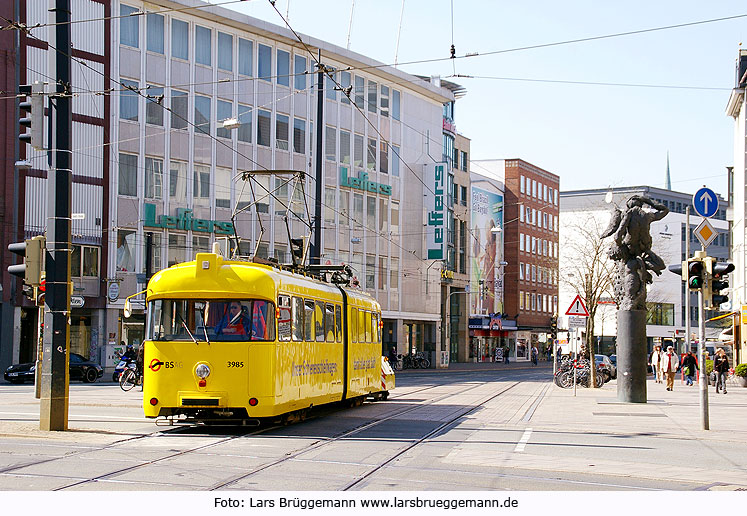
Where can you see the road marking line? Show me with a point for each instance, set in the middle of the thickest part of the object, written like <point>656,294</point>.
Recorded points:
<point>523,441</point>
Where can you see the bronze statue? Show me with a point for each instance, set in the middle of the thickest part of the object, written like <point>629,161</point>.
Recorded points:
<point>631,250</point>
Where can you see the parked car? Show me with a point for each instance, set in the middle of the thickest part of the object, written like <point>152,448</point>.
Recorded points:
<point>80,369</point>
<point>609,368</point>
<point>613,359</point>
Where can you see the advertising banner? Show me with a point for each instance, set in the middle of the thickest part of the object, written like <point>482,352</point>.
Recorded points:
<point>435,199</point>
<point>487,213</point>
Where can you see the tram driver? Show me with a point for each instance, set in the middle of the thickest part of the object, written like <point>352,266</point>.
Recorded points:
<point>234,321</point>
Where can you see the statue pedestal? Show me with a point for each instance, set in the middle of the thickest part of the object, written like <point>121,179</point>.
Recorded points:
<point>631,356</point>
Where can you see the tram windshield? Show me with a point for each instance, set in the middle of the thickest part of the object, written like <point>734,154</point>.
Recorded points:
<point>211,320</point>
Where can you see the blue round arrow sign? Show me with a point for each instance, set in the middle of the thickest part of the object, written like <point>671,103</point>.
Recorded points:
<point>705,202</point>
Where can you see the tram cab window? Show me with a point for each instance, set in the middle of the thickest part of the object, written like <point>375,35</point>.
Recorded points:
<point>284,318</point>
<point>211,320</point>
<point>297,318</point>
<point>338,323</point>
<point>354,324</point>
<point>329,322</point>
<point>319,321</point>
<point>308,320</point>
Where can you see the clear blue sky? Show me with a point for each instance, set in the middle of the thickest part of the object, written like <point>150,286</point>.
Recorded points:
<point>592,136</point>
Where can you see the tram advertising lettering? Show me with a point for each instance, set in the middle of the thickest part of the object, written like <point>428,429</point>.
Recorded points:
<point>306,369</point>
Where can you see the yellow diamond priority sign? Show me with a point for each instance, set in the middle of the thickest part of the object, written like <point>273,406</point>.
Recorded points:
<point>705,233</point>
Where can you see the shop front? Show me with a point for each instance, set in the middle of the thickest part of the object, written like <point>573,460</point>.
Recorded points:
<point>490,338</point>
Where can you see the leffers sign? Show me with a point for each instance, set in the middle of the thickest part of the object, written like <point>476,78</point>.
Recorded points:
<point>362,183</point>
<point>185,221</point>
<point>435,175</point>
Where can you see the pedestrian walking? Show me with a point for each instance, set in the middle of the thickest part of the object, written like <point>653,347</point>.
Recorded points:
<point>669,363</point>
<point>535,354</point>
<point>689,367</point>
<point>721,368</point>
<point>505,355</point>
<point>654,360</point>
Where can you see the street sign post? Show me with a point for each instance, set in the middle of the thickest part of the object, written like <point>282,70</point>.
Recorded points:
<point>705,202</point>
<point>705,233</point>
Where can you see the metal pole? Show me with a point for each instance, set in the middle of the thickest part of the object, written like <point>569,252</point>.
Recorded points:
<point>702,383</point>
<point>687,290</point>
<point>316,248</point>
<point>55,389</point>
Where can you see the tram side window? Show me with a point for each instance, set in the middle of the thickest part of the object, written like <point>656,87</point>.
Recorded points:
<point>308,320</point>
<point>297,318</point>
<point>353,326</point>
<point>285,318</point>
<point>338,322</point>
<point>374,328</point>
<point>368,326</point>
<point>329,322</point>
<point>263,320</point>
<point>319,321</point>
<point>362,326</point>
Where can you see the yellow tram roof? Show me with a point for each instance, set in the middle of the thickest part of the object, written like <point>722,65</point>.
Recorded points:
<point>212,276</point>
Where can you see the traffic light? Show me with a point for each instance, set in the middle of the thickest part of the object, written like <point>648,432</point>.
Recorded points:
<point>297,247</point>
<point>32,268</point>
<point>554,326</point>
<point>692,271</point>
<point>32,114</point>
<point>717,272</point>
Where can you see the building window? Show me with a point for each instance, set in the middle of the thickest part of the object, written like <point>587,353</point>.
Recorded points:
<point>246,53</point>
<point>222,187</point>
<point>245,124</point>
<point>463,200</point>
<point>329,207</point>
<point>395,104</point>
<point>345,78</point>
<point>521,241</point>
<point>202,114</point>
<point>384,100</point>
<point>660,314</point>
<point>177,249</point>
<point>299,136</point>
<point>153,178</point>
<point>330,143</point>
<point>358,210</point>
<point>299,72</point>
<point>200,244</point>
<point>344,147</point>
<point>358,150</point>
<point>383,213</point>
<point>179,109</point>
<point>384,157</point>
<point>203,45</point>
<point>225,51</point>
<point>155,260</point>
<point>394,218</point>
<point>360,89</point>
<point>154,106</point>
<point>127,174</point>
<point>395,161</point>
<point>370,272</point>
<point>281,132</point>
<point>264,70</point>
<point>125,250</point>
<point>282,75</point>
<point>84,261</point>
<point>382,272</point>
<point>344,208</point>
<point>177,183</point>
<point>224,112</point>
<point>371,155</point>
<point>179,39</point>
<point>263,127</point>
<point>521,300</point>
<point>372,92</point>
<point>371,213</point>
<point>128,100</point>
<point>129,31</point>
<point>329,84</point>
<point>201,186</point>
<point>393,274</point>
<point>154,24</point>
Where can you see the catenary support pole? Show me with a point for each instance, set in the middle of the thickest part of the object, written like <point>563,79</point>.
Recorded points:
<point>702,379</point>
<point>316,248</point>
<point>687,290</point>
<point>55,382</point>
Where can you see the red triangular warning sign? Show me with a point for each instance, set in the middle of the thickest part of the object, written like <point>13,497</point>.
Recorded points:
<point>577,308</point>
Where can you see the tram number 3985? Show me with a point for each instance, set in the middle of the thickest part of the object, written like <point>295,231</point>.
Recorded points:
<point>235,364</point>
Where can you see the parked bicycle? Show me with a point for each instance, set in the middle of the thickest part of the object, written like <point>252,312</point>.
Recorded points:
<point>413,361</point>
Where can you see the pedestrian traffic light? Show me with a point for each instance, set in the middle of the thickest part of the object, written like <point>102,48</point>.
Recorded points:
<point>32,268</point>
<point>32,114</point>
<point>692,271</point>
<point>717,272</point>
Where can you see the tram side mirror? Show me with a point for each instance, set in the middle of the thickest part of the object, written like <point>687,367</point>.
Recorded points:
<point>127,309</point>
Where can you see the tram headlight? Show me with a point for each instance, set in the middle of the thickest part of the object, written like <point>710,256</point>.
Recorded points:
<point>202,371</point>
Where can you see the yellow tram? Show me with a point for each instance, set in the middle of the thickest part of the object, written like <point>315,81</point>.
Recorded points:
<point>243,341</point>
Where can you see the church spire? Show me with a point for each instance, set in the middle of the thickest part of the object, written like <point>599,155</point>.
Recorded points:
<point>668,180</point>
